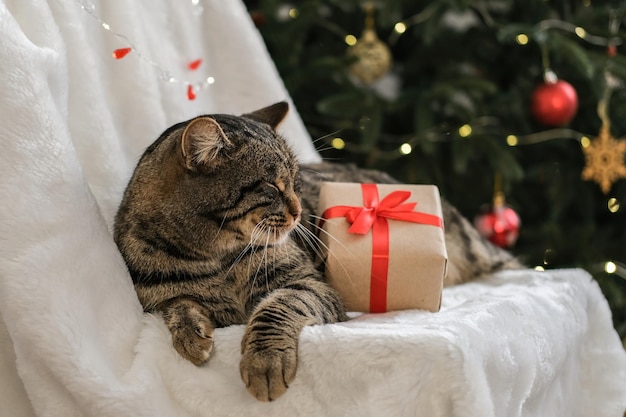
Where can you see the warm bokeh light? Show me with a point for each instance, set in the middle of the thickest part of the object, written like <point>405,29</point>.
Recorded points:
<point>521,39</point>
<point>405,149</point>
<point>350,40</point>
<point>465,131</point>
<point>400,27</point>
<point>338,143</point>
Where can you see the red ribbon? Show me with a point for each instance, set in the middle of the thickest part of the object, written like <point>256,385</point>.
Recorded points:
<point>373,215</point>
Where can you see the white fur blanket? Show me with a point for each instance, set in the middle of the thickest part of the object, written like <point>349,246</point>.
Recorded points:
<point>73,123</point>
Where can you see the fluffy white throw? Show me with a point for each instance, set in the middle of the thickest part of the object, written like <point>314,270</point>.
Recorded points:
<point>74,121</point>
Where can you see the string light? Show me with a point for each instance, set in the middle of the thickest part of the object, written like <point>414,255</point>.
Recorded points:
<point>406,149</point>
<point>613,268</point>
<point>421,17</point>
<point>338,143</point>
<point>613,205</point>
<point>350,40</point>
<point>522,39</point>
<point>539,268</point>
<point>488,126</point>
<point>512,140</point>
<point>585,142</point>
<point>465,131</point>
<point>578,30</point>
<point>191,88</point>
<point>293,13</point>
<point>399,27</point>
<point>547,135</point>
<point>610,267</point>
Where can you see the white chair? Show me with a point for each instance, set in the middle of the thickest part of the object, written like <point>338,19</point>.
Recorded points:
<point>73,338</point>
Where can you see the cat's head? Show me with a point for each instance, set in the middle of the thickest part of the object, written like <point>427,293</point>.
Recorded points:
<point>225,176</point>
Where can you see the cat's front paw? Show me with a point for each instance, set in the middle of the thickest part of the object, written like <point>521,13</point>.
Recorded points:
<point>267,372</point>
<point>194,343</point>
<point>191,328</point>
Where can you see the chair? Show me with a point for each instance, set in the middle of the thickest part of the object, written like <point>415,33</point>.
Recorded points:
<point>73,338</point>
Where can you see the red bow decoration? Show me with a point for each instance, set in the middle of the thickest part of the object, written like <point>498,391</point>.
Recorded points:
<point>373,215</point>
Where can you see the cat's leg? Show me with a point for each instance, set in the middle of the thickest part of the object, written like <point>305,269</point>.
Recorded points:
<point>270,343</point>
<point>190,326</point>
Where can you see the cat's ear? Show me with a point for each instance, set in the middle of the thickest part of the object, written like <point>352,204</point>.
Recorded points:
<point>271,115</point>
<point>202,141</point>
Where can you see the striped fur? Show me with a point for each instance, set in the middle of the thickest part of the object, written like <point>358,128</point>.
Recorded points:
<point>210,228</point>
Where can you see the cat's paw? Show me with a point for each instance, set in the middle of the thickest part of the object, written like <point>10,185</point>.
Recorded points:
<point>268,372</point>
<point>194,343</point>
<point>191,329</point>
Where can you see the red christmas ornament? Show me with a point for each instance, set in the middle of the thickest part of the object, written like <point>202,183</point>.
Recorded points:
<point>554,103</point>
<point>121,53</point>
<point>498,223</point>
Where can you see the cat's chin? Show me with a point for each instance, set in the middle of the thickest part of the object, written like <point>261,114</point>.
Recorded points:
<point>273,238</point>
<point>281,239</point>
<point>278,239</point>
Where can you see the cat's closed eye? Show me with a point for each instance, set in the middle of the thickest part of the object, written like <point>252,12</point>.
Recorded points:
<point>269,189</point>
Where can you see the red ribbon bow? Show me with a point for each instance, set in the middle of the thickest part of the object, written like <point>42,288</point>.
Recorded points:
<point>373,215</point>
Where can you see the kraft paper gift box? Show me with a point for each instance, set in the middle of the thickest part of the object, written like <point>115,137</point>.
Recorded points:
<point>384,245</point>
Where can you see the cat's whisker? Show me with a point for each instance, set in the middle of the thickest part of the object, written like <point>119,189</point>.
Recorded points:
<point>238,258</point>
<point>263,261</point>
<point>221,226</point>
<point>332,159</point>
<point>274,254</point>
<point>244,251</point>
<point>273,229</point>
<point>321,229</point>
<point>326,148</point>
<point>318,256</point>
<point>327,136</point>
<point>316,172</point>
<point>263,245</point>
<point>336,240</point>
<point>256,234</point>
<point>317,238</point>
<point>316,242</point>
<point>265,249</point>
<point>311,240</point>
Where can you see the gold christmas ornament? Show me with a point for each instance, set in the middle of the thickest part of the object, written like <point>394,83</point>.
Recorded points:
<point>372,56</point>
<point>604,159</point>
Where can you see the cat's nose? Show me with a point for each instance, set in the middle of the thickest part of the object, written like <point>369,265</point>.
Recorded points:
<point>295,209</point>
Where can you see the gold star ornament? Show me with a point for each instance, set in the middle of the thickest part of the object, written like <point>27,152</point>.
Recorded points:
<point>604,159</point>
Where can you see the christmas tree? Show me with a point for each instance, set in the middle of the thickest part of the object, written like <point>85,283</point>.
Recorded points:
<point>524,96</point>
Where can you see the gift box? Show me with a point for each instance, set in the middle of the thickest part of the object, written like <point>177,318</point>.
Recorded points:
<point>383,245</point>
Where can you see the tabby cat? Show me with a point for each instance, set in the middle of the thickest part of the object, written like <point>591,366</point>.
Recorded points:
<point>205,227</point>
